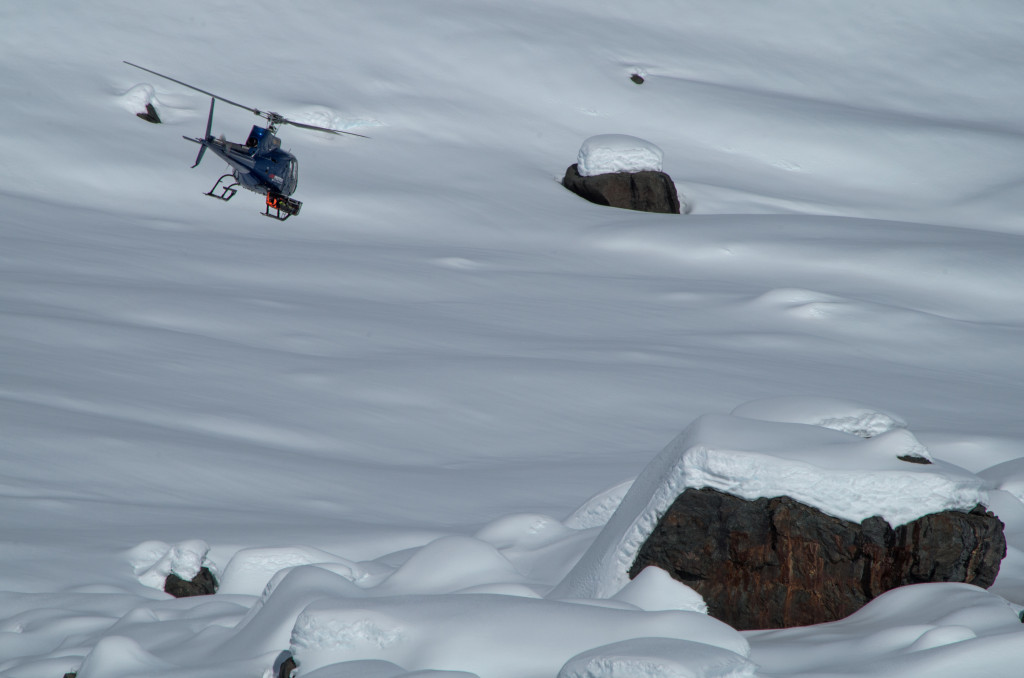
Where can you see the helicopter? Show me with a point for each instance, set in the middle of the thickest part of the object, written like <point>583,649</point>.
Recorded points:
<point>259,165</point>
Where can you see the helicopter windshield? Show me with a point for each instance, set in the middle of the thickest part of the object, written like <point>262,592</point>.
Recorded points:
<point>293,177</point>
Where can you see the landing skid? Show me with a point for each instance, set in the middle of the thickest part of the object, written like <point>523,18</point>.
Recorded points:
<point>227,191</point>
<point>282,207</point>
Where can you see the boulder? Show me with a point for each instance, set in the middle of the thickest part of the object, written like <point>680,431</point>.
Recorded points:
<point>645,191</point>
<point>203,584</point>
<point>287,668</point>
<point>150,114</point>
<point>774,563</point>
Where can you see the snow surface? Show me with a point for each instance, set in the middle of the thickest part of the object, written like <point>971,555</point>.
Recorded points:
<point>610,153</point>
<point>394,399</point>
<point>647,657</point>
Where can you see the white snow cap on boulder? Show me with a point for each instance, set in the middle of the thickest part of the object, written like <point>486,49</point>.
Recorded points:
<point>838,472</point>
<point>610,153</point>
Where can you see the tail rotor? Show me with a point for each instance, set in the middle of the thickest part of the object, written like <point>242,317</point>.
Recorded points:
<point>206,138</point>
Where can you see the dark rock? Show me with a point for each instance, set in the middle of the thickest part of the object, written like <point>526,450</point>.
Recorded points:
<point>287,666</point>
<point>914,459</point>
<point>203,584</point>
<point>776,563</point>
<point>150,115</point>
<point>637,78</point>
<point>70,675</point>
<point>643,191</point>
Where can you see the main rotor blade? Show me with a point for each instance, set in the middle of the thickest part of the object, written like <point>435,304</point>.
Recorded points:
<point>321,129</point>
<point>209,94</point>
<point>271,117</point>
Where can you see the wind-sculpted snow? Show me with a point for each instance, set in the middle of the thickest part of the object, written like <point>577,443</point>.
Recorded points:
<point>655,589</point>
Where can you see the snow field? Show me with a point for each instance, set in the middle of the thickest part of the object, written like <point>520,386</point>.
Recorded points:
<point>396,397</point>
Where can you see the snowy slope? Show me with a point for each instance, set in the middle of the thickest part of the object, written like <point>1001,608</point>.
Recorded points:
<point>446,343</point>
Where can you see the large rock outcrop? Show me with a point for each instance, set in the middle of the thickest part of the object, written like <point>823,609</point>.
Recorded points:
<point>773,563</point>
<point>645,191</point>
<point>794,511</point>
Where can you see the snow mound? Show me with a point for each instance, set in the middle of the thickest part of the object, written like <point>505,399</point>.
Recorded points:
<point>523,531</point>
<point>1007,476</point>
<point>891,632</point>
<point>120,656</point>
<point>250,570</point>
<point>654,589</point>
<point>269,622</point>
<point>153,561</point>
<point>137,98</point>
<point>360,668</point>
<point>450,564</point>
<point>843,475</point>
<point>323,116</point>
<point>370,668</point>
<point>657,658</point>
<point>840,415</point>
<point>609,153</point>
<point>490,635</point>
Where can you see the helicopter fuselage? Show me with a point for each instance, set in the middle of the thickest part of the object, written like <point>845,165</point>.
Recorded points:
<point>259,165</point>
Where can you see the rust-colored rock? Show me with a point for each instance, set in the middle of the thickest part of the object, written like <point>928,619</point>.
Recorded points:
<point>775,563</point>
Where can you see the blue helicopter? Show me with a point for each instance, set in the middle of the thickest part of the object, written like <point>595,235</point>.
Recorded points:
<point>258,165</point>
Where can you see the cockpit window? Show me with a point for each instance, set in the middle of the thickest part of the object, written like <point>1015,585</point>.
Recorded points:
<point>255,135</point>
<point>293,176</point>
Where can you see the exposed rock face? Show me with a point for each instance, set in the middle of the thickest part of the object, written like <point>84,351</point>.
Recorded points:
<point>203,584</point>
<point>643,191</point>
<point>150,114</point>
<point>288,667</point>
<point>775,563</point>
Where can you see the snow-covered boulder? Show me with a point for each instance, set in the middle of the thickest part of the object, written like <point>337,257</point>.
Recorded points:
<point>761,504</point>
<point>619,170</point>
<point>181,569</point>
<point>140,100</point>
